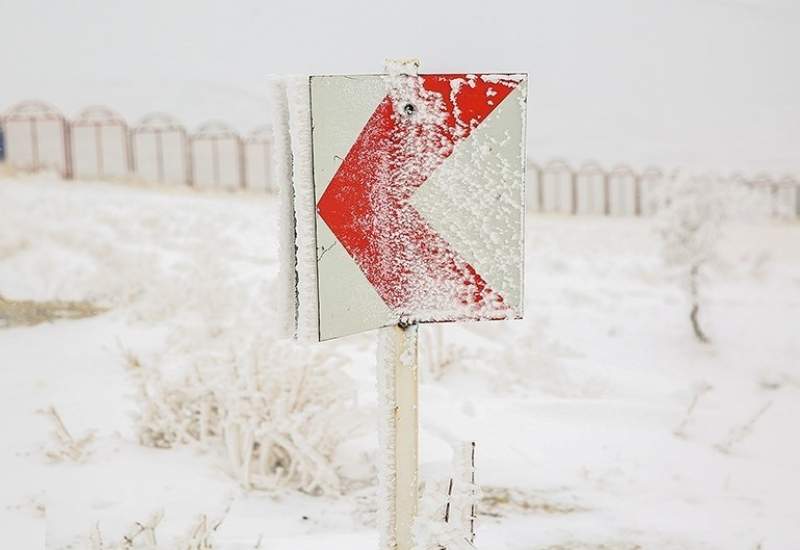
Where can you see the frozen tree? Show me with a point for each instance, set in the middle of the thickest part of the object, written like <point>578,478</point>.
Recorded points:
<point>690,227</point>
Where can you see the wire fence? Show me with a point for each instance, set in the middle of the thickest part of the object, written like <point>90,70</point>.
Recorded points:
<point>98,143</point>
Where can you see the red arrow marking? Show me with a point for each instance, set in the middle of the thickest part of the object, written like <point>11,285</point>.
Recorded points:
<point>366,204</point>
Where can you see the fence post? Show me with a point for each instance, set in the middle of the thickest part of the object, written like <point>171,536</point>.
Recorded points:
<point>270,187</point>
<point>3,139</point>
<point>242,156</point>
<point>539,190</point>
<point>773,199</point>
<point>637,195</point>
<point>130,137</point>
<point>606,194</point>
<point>215,160</point>
<point>98,150</point>
<point>188,158</point>
<point>573,180</point>
<point>797,200</point>
<point>67,133</point>
<point>34,144</point>
<point>159,157</point>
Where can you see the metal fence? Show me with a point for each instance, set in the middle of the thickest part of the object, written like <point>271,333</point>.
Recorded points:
<point>557,187</point>
<point>98,143</point>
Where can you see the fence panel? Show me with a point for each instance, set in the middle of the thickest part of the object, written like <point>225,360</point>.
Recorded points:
<point>257,153</point>
<point>591,184</point>
<point>623,192</point>
<point>558,188</point>
<point>651,190</point>
<point>100,144</point>
<point>161,151</point>
<point>37,138</point>
<point>217,157</point>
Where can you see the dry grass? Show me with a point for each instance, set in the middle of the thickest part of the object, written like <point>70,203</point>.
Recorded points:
<point>742,432</point>
<point>67,447</point>
<point>8,171</point>
<point>594,546</point>
<point>496,501</point>
<point>142,535</point>
<point>28,313</point>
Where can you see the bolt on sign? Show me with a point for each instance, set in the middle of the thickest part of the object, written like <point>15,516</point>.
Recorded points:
<point>418,184</point>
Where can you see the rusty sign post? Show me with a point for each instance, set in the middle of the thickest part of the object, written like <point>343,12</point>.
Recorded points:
<point>403,200</point>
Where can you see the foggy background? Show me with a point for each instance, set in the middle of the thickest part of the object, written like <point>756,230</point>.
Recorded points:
<point>685,83</point>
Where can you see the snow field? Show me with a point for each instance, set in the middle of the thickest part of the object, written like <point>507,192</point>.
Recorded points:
<point>574,409</point>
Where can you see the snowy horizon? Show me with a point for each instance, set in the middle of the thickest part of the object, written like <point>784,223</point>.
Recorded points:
<point>701,84</point>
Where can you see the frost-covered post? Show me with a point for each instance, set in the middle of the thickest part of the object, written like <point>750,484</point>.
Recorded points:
<point>398,438</point>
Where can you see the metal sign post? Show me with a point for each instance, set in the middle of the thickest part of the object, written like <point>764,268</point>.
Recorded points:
<point>398,435</point>
<point>406,206</point>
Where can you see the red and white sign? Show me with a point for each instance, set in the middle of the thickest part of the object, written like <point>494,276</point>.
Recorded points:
<point>419,183</point>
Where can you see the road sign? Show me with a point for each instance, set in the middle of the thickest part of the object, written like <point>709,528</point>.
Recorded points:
<point>402,202</point>
<point>419,183</point>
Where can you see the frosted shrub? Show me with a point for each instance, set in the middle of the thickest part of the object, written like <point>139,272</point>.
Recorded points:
<point>690,227</point>
<point>286,411</point>
<point>177,412</point>
<point>142,536</point>
<point>278,411</point>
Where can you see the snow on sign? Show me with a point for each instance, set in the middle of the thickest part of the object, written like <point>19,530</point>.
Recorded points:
<point>418,188</point>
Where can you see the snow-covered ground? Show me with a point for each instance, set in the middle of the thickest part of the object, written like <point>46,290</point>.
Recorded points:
<point>579,411</point>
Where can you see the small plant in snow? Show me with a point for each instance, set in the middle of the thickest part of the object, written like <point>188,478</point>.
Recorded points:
<point>142,536</point>
<point>201,535</point>
<point>278,411</point>
<point>439,356</point>
<point>690,227</point>
<point>740,433</point>
<point>67,447</point>
<point>699,390</point>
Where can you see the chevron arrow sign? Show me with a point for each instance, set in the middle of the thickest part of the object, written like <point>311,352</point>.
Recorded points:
<point>419,188</point>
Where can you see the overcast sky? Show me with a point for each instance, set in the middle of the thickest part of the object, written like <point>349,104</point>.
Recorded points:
<point>712,83</point>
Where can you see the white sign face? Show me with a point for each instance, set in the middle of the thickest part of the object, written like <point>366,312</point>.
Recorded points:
<point>419,187</point>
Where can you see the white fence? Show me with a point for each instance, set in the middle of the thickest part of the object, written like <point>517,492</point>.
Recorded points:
<point>100,144</point>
